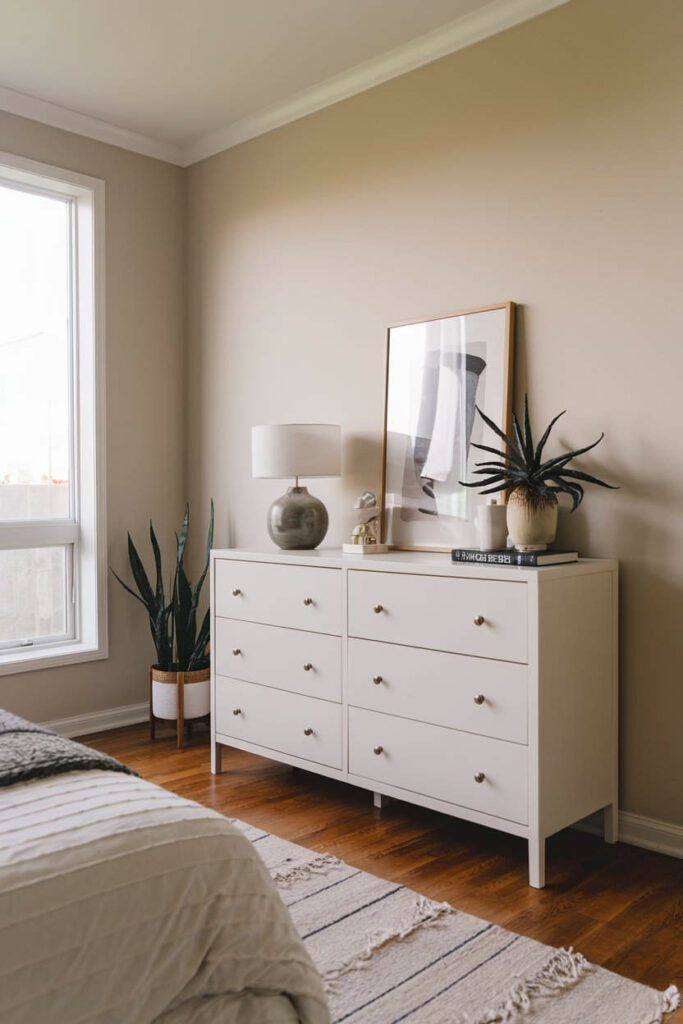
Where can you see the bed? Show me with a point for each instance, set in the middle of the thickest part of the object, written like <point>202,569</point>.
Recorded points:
<point>121,903</point>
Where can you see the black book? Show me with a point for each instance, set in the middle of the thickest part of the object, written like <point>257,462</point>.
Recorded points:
<point>508,556</point>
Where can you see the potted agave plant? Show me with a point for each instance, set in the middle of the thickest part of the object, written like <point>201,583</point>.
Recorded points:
<point>179,680</point>
<point>532,485</point>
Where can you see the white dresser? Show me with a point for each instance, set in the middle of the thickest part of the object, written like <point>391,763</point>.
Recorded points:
<point>485,692</point>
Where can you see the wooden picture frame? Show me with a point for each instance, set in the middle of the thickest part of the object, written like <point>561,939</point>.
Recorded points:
<point>460,359</point>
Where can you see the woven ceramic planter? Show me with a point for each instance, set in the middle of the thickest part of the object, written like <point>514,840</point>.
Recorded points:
<point>179,697</point>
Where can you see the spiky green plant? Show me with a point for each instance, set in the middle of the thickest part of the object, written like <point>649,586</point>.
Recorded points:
<point>179,645</point>
<point>522,471</point>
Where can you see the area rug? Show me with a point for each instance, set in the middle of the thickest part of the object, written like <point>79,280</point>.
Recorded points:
<point>388,954</point>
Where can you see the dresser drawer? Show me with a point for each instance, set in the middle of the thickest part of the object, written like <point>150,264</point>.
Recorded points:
<point>288,659</point>
<point>431,686</point>
<point>297,596</point>
<point>486,618</point>
<point>280,721</point>
<point>440,763</point>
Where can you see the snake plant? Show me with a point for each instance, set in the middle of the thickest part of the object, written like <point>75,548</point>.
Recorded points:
<point>521,470</point>
<point>180,647</point>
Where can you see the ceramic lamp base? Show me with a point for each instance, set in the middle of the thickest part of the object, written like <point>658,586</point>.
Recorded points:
<point>297,520</point>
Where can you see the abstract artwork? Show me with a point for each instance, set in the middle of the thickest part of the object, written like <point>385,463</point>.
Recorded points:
<point>438,371</point>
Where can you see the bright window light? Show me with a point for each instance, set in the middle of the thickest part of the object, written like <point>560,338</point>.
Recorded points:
<point>35,355</point>
<point>52,529</point>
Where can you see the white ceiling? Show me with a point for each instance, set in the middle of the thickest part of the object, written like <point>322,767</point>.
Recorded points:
<point>195,76</point>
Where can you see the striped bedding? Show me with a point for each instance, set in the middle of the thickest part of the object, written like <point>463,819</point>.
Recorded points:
<point>121,903</point>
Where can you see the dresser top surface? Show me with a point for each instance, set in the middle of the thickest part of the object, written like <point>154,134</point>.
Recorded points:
<point>423,562</point>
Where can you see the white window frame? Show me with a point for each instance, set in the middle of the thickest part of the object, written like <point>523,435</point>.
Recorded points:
<point>86,529</point>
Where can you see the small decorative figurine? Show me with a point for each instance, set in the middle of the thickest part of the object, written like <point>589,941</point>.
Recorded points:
<point>365,537</point>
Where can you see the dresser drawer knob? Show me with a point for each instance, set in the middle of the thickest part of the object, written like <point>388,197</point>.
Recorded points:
<point>479,777</point>
<point>307,667</point>
<point>237,711</point>
<point>236,592</point>
<point>308,601</point>
<point>479,620</point>
<point>378,750</point>
<point>308,731</point>
<point>377,680</point>
<point>236,651</point>
<point>479,698</point>
<point>378,608</point>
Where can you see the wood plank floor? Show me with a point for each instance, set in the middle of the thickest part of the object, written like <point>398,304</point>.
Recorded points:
<point>620,906</point>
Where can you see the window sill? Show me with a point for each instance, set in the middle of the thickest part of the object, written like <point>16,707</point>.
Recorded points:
<point>69,653</point>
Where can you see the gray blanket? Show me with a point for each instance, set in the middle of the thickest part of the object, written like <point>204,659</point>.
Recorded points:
<point>29,751</point>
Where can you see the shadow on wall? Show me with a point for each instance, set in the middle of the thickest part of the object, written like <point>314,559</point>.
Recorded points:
<point>362,463</point>
<point>651,633</point>
<point>519,356</point>
<point>522,97</point>
<point>362,471</point>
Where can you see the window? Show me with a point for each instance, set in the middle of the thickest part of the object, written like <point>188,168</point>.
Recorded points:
<point>52,507</point>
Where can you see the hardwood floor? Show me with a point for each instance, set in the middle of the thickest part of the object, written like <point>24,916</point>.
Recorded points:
<point>620,906</point>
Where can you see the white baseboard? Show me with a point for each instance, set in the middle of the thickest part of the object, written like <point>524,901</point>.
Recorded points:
<point>99,721</point>
<point>634,829</point>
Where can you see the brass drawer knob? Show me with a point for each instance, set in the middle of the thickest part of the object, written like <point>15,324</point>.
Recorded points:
<point>236,651</point>
<point>378,608</point>
<point>377,680</point>
<point>479,620</point>
<point>378,750</point>
<point>479,698</point>
<point>308,601</point>
<point>479,777</point>
<point>237,711</point>
<point>307,667</point>
<point>308,731</point>
<point>236,592</point>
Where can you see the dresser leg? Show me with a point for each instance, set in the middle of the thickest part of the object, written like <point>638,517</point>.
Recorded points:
<point>377,800</point>
<point>216,752</point>
<point>610,822</point>
<point>536,862</point>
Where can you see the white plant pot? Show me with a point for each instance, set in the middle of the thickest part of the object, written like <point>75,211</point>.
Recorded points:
<point>531,527</point>
<point>196,694</point>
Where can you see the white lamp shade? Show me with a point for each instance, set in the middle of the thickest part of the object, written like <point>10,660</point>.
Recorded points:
<point>283,450</point>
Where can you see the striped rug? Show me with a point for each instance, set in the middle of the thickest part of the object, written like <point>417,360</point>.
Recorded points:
<point>387,954</point>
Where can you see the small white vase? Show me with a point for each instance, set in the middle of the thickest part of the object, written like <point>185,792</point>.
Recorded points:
<point>532,524</point>
<point>491,525</point>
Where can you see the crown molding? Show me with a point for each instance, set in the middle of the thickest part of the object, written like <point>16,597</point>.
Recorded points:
<point>471,28</point>
<point>81,124</point>
<point>495,17</point>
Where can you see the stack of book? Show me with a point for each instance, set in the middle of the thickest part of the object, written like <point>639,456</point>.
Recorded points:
<point>508,556</point>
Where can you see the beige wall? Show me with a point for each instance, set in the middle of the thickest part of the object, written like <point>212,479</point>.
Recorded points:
<point>145,330</point>
<point>543,166</point>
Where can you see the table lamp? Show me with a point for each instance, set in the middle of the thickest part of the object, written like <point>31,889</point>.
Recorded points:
<point>281,450</point>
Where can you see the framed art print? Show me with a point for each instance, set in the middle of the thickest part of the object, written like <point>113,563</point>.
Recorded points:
<point>438,371</point>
